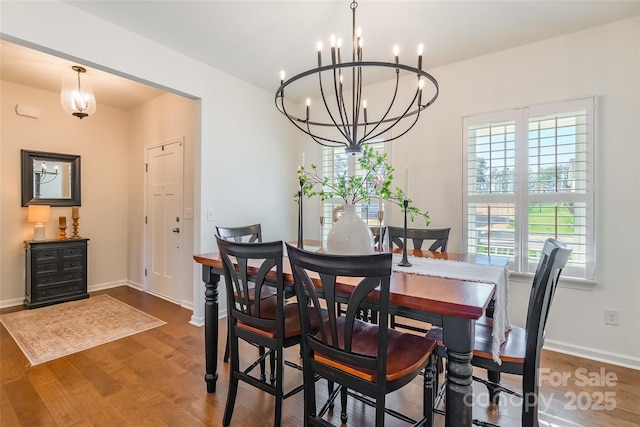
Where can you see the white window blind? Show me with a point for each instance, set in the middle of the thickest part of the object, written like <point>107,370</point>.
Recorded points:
<point>530,176</point>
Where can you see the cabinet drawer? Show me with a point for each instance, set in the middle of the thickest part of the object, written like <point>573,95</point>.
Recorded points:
<point>49,254</point>
<point>55,291</point>
<point>47,267</point>
<point>72,264</point>
<point>72,252</point>
<point>52,279</point>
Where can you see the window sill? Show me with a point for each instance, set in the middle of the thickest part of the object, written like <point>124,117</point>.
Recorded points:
<point>565,282</point>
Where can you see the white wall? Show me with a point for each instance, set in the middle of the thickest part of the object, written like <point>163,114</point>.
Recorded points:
<point>602,61</point>
<point>167,117</point>
<point>231,115</point>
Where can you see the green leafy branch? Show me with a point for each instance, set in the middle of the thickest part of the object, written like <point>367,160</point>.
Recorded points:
<point>375,182</point>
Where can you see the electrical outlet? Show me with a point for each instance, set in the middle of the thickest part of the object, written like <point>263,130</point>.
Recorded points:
<point>210,216</point>
<point>611,316</point>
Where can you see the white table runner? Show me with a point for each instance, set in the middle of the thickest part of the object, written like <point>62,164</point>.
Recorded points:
<point>460,270</point>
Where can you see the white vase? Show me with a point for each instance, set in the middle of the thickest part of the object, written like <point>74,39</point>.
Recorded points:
<point>350,235</point>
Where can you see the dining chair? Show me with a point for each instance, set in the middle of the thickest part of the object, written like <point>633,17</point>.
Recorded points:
<point>245,233</point>
<point>440,238</point>
<point>520,353</point>
<point>271,323</point>
<point>366,361</point>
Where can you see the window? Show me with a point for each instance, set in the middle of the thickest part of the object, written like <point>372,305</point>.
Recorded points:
<point>334,163</point>
<point>529,175</point>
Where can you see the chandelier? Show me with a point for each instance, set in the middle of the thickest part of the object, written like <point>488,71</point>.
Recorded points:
<point>77,97</point>
<point>344,119</point>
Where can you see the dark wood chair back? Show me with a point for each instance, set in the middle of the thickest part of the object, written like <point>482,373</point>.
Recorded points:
<point>246,233</point>
<point>440,237</point>
<point>553,259</point>
<point>245,284</point>
<point>257,317</point>
<point>355,354</point>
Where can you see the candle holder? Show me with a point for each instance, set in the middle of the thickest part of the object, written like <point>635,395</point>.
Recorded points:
<point>300,243</point>
<point>322,250</point>
<point>405,262</point>
<point>380,235</point>
<point>75,234</point>
<point>63,233</point>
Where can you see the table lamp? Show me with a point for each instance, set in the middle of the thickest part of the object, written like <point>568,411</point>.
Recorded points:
<point>38,214</point>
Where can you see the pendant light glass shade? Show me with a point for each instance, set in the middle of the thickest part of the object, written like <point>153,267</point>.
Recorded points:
<point>76,96</point>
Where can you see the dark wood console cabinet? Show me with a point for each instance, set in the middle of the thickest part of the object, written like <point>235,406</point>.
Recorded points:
<point>56,271</point>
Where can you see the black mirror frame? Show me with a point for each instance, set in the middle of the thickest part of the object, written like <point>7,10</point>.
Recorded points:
<point>27,178</point>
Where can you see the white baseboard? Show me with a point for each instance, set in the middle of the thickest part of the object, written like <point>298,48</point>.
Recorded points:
<point>197,321</point>
<point>11,302</point>
<point>593,354</point>
<point>107,285</point>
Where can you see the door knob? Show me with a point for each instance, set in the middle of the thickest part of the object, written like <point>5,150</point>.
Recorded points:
<point>176,230</point>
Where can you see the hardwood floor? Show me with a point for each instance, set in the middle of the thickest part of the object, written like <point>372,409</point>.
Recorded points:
<point>155,378</point>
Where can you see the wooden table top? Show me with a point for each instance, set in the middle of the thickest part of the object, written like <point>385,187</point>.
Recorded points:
<point>415,291</point>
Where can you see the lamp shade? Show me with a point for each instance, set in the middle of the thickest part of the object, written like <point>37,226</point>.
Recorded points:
<point>38,213</point>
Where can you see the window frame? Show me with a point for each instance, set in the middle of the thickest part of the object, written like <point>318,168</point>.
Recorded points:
<point>583,268</point>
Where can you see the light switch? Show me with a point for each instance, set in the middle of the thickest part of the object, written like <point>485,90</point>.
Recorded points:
<point>210,215</point>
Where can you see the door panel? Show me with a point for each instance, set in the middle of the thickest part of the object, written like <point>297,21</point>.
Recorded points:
<point>164,220</point>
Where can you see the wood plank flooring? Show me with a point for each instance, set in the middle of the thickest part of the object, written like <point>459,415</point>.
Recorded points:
<point>155,378</point>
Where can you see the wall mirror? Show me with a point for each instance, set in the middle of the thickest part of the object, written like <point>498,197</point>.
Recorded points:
<point>50,179</point>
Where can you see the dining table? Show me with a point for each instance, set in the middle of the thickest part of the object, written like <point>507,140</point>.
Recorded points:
<point>454,304</point>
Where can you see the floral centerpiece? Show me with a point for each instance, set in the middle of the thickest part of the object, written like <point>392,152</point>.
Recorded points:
<point>373,183</point>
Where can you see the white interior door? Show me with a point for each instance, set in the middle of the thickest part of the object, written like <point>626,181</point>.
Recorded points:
<point>164,220</point>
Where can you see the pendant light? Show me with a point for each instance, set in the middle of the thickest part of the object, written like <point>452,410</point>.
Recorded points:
<point>76,96</point>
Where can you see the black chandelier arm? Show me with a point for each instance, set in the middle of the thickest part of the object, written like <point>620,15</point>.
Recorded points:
<point>419,73</point>
<point>357,105</point>
<point>337,89</point>
<point>394,121</point>
<point>294,120</point>
<point>342,107</point>
<point>350,137</point>
<point>342,128</point>
<point>368,136</point>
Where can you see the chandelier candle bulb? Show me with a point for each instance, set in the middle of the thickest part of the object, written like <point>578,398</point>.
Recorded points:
<point>364,108</point>
<point>396,52</point>
<point>420,48</point>
<point>333,49</point>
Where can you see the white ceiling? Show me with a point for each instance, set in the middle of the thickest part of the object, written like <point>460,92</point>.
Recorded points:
<point>254,40</point>
<point>30,67</point>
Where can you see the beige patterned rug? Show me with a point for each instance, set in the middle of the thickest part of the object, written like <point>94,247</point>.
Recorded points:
<point>55,331</point>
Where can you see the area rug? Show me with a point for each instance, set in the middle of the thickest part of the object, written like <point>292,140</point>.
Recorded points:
<point>55,331</point>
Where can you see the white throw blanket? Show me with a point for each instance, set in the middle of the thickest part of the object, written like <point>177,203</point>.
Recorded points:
<point>473,273</point>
